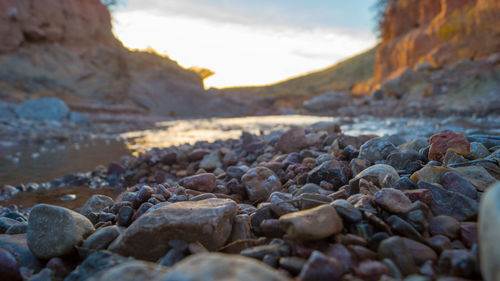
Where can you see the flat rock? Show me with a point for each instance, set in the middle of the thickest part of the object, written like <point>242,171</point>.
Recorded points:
<point>54,231</point>
<point>312,224</point>
<point>207,221</point>
<point>215,267</point>
<point>478,176</point>
<point>454,182</point>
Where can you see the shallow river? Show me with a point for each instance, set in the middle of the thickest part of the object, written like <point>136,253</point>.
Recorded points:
<point>44,163</point>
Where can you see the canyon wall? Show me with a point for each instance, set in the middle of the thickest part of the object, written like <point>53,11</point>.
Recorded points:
<point>440,32</point>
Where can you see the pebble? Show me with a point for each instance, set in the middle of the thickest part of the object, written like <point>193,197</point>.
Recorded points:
<point>376,149</point>
<point>260,182</point>
<point>101,238</point>
<point>321,267</point>
<point>375,174</point>
<point>444,225</point>
<point>313,224</point>
<point>292,141</point>
<point>204,182</point>
<point>95,204</point>
<point>393,200</point>
<point>347,211</point>
<point>54,231</point>
<point>489,231</point>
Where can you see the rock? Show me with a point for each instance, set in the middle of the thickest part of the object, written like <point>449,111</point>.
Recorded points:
<point>393,200</point>
<point>311,188</point>
<point>371,270</point>
<point>404,162</point>
<point>101,238</point>
<point>477,176</point>
<point>451,203</point>
<point>124,216</point>
<point>236,171</point>
<point>95,265</point>
<point>321,267</point>
<point>208,221</point>
<point>376,149</point>
<point>477,151</point>
<point>55,231</point>
<point>395,249</point>
<point>453,182</point>
<point>440,243</point>
<point>342,254</point>
<point>489,231</point>
<point>327,102</point>
<point>133,270</point>
<point>96,204</point>
<point>259,183</point>
<point>441,142</point>
<point>404,183</point>
<point>202,182</point>
<point>259,252</point>
<point>330,171</point>
<point>458,263</point>
<point>469,233</point>
<point>6,223</point>
<point>414,145</point>
<point>375,174</point>
<point>313,224</point>
<point>422,195</point>
<point>211,161</point>
<point>43,109</point>
<point>419,251</point>
<point>116,169</point>
<point>293,140</point>
<point>444,225</point>
<point>14,254</point>
<point>214,266</point>
<point>241,230</point>
<point>430,174</point>
<point>78,118</point>
<point>401,227</point>
<point>347,211</point>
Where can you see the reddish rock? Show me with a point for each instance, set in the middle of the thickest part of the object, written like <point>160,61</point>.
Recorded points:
<point>292,141</point>
<point>441,142</point>
<point>423,195</point>
<point>468,233</point>
<point>393,200</point>
<point>202,182</point>
<point>371,270</point>
<point>438,32</point>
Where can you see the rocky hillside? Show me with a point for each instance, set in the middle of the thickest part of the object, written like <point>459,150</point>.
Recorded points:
<point>438,32</point>
<point>66,49</point>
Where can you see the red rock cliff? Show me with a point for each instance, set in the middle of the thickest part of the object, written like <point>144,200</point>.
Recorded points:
<point>441,32</point>
<point>73,23</point>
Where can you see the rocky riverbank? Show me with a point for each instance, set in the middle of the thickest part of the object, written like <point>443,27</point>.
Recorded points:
<point>310,204</point>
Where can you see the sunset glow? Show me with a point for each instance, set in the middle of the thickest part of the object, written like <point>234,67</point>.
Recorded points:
<point>238,53</point>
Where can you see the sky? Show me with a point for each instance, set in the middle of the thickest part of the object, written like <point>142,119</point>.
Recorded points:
<point>249,42</point>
